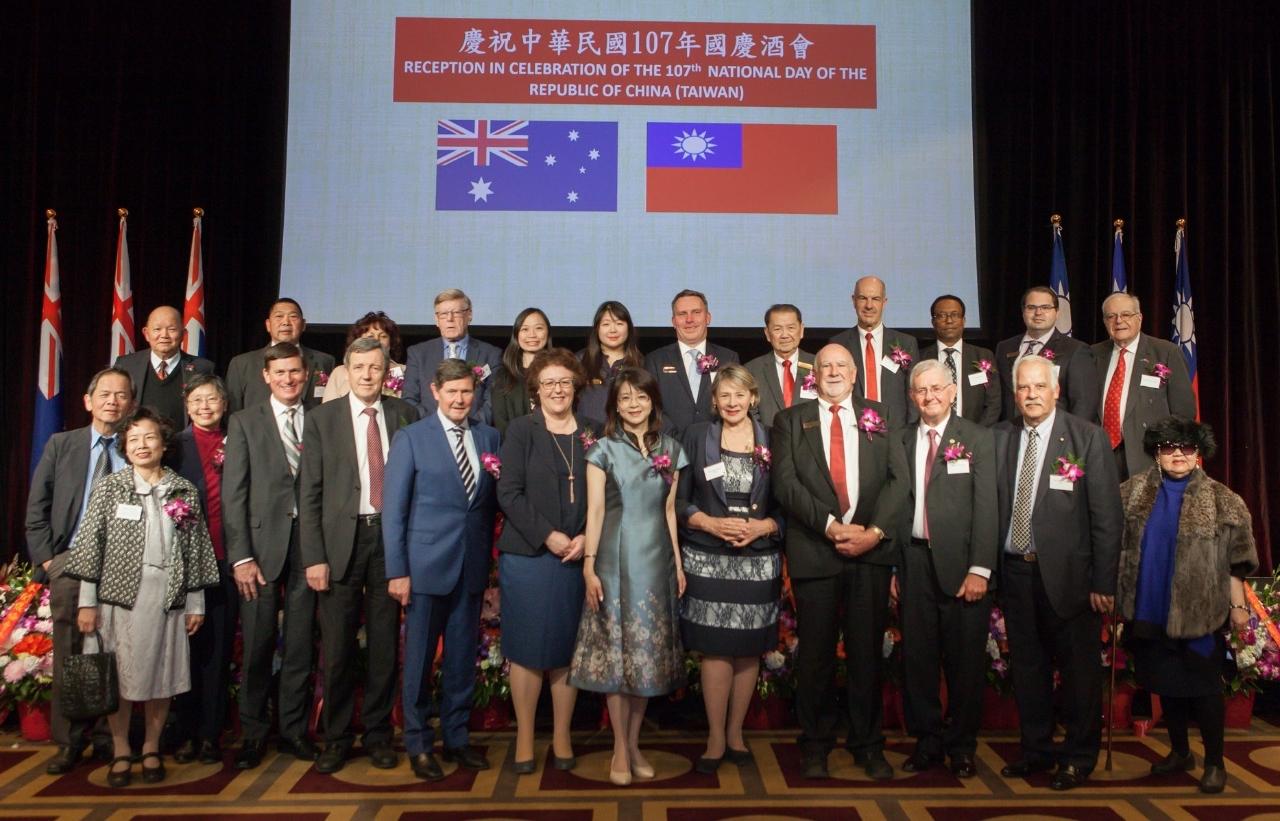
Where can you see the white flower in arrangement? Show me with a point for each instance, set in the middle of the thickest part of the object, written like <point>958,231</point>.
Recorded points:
<point>774,660</point>
<point>362,638</point>
<point>993,649</point>
<point>1247,657</point>
<point>44,611</point>
<point>495,654</point>
<point>888,644</point>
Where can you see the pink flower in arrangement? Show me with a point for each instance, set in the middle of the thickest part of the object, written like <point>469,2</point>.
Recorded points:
<point>956,451</point>
<point>492,464</point>
<point>322,378</point>
<point>1161,371</point>
<point>1048,354</point>
<point>762,457</point>
<point>587,437</point>
<point>660,465</point>
<point>810,382</point>
<point>219,455</point>
<point>478,370</point>
<point>901,357</point>
<point>870,422</point>
<point>985,366</point>
<point>1070,467</point>
<point>181,512</point>
<point>394,383</point>
<point>708,363</point>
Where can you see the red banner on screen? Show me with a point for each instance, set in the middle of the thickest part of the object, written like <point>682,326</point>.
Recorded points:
<point>796,65</point>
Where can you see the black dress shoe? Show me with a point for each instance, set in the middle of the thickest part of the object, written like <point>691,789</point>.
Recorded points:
<point>920,762</point>
<point>426,767</point>
<point>564,764</point>
<point>382,755</point>
<point>1068,777</point>
<point>815,765</point>
<point>1174,763</point>
<point>1214,779</point>
<point>64,761</point>
<point>120,779</point>
<point>152,775</point>
<point>738,757</point>
<point>300,747</point>
<point>707,766</point>
<point>875,766</point>
<point>250,754</point>
<point>1024,767</point>
<point>333,758</point>
<point>524,767</point>
<point>186,752</point>
<point>963,766</point>
<point>210,752</point>
<point>467,757</point>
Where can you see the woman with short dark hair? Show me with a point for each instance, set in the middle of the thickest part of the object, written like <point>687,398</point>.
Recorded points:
<point>379,326</point>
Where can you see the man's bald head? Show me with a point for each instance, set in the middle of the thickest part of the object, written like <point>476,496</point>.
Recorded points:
<point>164,331</point>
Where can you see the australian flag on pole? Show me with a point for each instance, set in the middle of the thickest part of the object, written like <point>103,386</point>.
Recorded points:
<point>48,416</point>
<point>1119,282</point>
<point>1184,317</point>
<point>526,165</point>
<point>1058,280</point>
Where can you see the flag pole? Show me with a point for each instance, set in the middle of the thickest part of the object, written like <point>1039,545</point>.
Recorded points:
<point>1111,690</point>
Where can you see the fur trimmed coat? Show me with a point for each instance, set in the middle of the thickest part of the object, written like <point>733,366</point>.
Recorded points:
<point>1215,542</point>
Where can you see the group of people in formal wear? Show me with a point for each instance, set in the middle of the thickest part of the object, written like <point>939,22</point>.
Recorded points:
<point>649,504</point>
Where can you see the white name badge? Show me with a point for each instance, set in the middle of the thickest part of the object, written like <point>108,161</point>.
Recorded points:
<point>1056,369</point>
<point>958,466</point>
<point>484,373</point>
<point>319,392</point>
<point>1150,381</point>
<point>1057,482</point>
<point>979,378</point>
<point>715,471</point>
<point>131,512</point>
<point>808,393</point>
<point>889,365</point>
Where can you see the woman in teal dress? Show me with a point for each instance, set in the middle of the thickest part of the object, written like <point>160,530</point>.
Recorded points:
<point>629,640</point>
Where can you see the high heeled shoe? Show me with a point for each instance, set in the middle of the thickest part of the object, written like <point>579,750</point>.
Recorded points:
<point>620,778</point>
<point>642,771</point>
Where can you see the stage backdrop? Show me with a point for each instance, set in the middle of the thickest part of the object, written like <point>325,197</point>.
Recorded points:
<point>1144,111</point>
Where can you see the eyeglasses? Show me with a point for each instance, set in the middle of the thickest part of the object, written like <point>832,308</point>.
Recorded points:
<point>930,390</point>
<point>1125,315</point>
<point>949,316</point>
<point>1170,448</point>
<point>1035,309</point>
<point>452,314</point>
<point>550,384</point>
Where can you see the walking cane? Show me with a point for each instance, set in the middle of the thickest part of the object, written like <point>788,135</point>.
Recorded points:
<point>1111,692</point>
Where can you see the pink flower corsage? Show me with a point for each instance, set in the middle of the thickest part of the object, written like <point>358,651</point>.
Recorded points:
<point>1161,371</point>
<point>901,357</point>
<point>1070,467</point>
<point>762,456</point>
<point>1048,354</point>
<point>394,383</point>
<point>219,455</point>
<point>322,378</point>
<point>587,437</point>
<point>985,366</point>
<point>809,383</point>
<point>478,370</point>
<point>708,363</point>
<point>955,451</point>
<point>492,464</point>
<point>870,422</point>
<point>181,512</point>
<point>660,465</point>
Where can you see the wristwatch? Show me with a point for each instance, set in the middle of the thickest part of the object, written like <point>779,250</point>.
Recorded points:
<point>879,532</point>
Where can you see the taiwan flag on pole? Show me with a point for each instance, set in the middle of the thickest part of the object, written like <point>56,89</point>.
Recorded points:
<point>741,168</point>
<point>526,165</point>
<point>1119,282</point>
<point>1058,278</point>
<point>122,334</point>
<point>193,308</point>
<point>1184,316</point>
<point>48,416</point>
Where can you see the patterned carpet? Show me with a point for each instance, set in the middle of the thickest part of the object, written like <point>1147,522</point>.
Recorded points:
<point>283,788</point>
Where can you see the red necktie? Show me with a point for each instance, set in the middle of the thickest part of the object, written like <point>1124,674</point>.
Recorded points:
<point>928,474</point>
<point>376,465</point>
<point>788,383</point>
<point>873,390</point>
<point>162,370</point>
<point>1111,408</point>
<point>837,460</point>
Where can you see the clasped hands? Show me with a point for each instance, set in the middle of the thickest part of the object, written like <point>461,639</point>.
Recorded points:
<point>852,540</point>
<point>569,550</point>
<point>737,532</point>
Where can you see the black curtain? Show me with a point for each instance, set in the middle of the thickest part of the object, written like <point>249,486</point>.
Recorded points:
<point>1144,111</point>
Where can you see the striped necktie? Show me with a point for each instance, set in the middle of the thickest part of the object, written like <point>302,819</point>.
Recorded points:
<point>464,463</point>
<point>292,447</point>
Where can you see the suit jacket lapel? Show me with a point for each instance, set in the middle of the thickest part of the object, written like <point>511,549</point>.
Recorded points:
<point>771,380</point>
<point>1142,353</point>
<point>1055,446</point>
<point>759,485</point>
<point>711,448</point>
<point>809,412</point>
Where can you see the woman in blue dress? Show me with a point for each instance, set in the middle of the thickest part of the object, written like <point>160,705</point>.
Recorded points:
<point>629,639</point>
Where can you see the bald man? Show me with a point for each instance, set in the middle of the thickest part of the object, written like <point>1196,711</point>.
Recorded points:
<point>884,356</point>
<point>160,372</point>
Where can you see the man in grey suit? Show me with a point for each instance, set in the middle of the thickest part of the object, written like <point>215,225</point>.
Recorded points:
<point>160,372</point>
<point>972,367</point>
<point>340,519</point>
<point>1072,361</point>
<point>285,323</point>
<point>1060,527</point>
<point>453,318</point>
<point>260,523</point>
<point>783,372</point>
<point>884,355</point>
<point>947,564</point>
<point>69,465</point>
<point>1144,380</point>
<point>685,368</point>
<point>838,474</point>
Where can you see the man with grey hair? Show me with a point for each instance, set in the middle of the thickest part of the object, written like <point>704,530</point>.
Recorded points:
<point>453,318</point>
<point>884,355</point>
<point>949,554</point>
<point>1144,380</point>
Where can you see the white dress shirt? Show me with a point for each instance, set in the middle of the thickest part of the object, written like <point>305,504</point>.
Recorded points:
<point>1044,430</point>
<point>361,422</point>
<point>170,364</point>
<point>958,358</point>
<point>849,424</point>
<point>468,441</point>
<point>1129,349</point>
<point>690,366</point>
<point>922,453</point>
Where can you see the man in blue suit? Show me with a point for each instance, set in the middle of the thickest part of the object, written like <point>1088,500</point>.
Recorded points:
<point>453,317</point>
<point>437,524</point>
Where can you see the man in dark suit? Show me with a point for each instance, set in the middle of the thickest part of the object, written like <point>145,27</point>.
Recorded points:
<point>438,532</point>
<point>260,523</point>
<point>838,474</point>
<point>684,369</point>
<point>453,318</point>
<point>1060,527</point>
<point>885,355</point>
<point>946,571</point>
<point>245,385</point>
<point>1144,380</point>
<point>71,462</point>
<point>1071,359</point>
<point>972,368</point>
<point>160,373</point>
<point>780,374</point>
<point>340,518</point>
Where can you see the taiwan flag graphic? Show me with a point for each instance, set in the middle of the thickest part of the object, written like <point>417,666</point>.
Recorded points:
<point>526,165</point>
<point>741,168</point>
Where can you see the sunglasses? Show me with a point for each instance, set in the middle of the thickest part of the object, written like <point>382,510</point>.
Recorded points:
<point>1170,448</point>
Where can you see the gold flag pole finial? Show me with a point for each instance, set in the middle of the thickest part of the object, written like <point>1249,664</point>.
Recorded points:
<point>1181,223</point>
<point>1056,219</point>
<point>1118,225</point>
<point>197,212</point>
<point>49,214</point>
<point>122,213</point>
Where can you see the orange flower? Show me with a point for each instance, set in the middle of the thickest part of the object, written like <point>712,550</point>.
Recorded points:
<point>35,644</point>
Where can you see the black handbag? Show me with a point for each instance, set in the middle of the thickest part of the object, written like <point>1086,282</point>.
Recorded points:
<point>90,685</point>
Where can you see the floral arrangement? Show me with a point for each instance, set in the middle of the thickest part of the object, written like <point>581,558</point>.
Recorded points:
<point>777,667</point>
<point>900,357</point>
<point>587,437</point>
<point>180,511</point>
<point>810,382</point>
<point>26,656</point>
<point>322,378</point>
<point>660,465</point>
<point>492,464</point>
<point>1070,467</point>
<point>998,652</point>
<point>870,422</point>
<point>956,451</point>
<point>393,385</point>
<point>708,363</point>
<point>1160,371</point>
<point>1256,653</point>
<point>762,456</point>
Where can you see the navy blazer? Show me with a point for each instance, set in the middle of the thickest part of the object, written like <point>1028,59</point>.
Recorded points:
<point>680,408</point>
<point>697,494</point>
<point>431,531</point>
<point>420,371</point>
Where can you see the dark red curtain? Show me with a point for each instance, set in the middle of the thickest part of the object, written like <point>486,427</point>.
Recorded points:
<point>1143,111</point>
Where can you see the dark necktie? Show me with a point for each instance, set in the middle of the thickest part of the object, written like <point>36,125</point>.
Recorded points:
<point>1020,532</point>
<point>837,461</point>
<point>1031,347</point>
<point>103,466</point>
<point>788,383</point>
<point>162,370</point>
<point>376,465</point>
<point>955,377</point>
<point>464,463</point>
